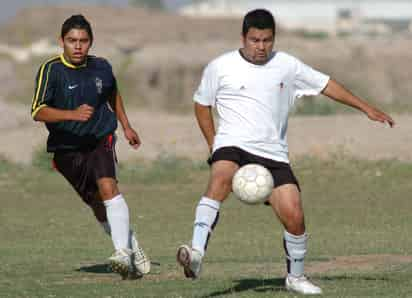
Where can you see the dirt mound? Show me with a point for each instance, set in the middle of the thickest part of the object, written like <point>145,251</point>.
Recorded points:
<point>129,27</point>
<point>179,135</point>
<point>159,57</point>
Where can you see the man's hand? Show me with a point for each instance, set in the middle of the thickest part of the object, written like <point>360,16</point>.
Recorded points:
<point>83,113</point>
<point>132,136</point>
<point>377,115</point>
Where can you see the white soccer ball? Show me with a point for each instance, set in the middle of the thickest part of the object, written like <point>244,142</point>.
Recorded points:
<point>252,184</point>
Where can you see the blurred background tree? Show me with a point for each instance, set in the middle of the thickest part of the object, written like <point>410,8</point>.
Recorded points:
<point>151,4</point>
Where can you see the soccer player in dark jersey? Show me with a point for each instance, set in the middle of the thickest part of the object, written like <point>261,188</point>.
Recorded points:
<point>76,96</point>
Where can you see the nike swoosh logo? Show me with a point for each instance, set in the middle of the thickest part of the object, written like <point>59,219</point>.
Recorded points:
<point>73,86</point>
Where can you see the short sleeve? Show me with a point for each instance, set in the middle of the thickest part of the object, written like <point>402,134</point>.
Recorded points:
<point>45,88</point>
<point>207,90</point>
<point>308,81</point>
<point>113,86</point>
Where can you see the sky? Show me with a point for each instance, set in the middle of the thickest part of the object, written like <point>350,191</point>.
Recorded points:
<point>10,7</point>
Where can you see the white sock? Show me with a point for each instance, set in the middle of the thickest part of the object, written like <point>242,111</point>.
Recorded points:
<point>207,215</point>
<point>133,243</point>
<point>295,247</point>
<point>118,219</point>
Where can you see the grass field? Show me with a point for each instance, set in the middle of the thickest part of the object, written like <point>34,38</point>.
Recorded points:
<point>358,217</point>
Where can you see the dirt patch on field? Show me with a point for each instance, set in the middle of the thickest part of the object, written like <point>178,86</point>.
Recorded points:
<point>358,263</point>
<point>178,135</point>
<point>160,272</point>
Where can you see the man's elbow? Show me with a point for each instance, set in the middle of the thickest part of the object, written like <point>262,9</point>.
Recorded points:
<point>36,114</point>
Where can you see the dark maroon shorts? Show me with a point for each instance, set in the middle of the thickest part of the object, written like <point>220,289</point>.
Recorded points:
<point>281,171</point>
<point>84,167</point>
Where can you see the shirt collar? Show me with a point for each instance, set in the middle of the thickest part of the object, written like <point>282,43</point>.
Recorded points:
<point>68,64</point>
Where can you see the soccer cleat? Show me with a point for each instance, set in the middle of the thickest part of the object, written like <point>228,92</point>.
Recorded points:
<point>301,285</point>
<point>140,261</point>
<point>120,262</point>
<point>190,260</point>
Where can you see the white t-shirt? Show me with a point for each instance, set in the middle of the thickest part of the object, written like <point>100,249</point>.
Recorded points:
<point>253,101</point>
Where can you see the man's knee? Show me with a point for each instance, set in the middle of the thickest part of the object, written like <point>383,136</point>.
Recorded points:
<point>107,188</point>
<point>220,182</point>
<point>296,224</point>
<point>219,187</point>
<point>224,182</point>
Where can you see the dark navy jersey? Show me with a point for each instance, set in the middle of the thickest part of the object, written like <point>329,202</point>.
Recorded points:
<point>65,86</point>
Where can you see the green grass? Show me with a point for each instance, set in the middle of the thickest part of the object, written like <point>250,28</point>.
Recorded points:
<point>323,106</point>
<point>316,35</point>
<point>51,245</point>
<point>319,106</point>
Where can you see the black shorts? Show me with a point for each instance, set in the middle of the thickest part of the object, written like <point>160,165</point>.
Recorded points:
<point>281,171</point>
<point>84,167</point>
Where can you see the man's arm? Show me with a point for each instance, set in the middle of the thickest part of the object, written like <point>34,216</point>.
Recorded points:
<point>49,114</point>
<point>204,118</point>
<point>129,133</point>
<point>337,92</point>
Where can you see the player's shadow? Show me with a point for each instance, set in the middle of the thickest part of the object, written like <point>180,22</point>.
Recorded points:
<point>255,284</point>
<point>98,268</point>
<point>103,268</point>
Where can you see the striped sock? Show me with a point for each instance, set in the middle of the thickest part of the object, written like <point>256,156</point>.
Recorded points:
<point>295,248</point>
<point>207,215</point>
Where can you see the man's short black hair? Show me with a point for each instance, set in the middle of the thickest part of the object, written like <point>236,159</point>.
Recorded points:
<point>77,21</point>
<point>260,19</point>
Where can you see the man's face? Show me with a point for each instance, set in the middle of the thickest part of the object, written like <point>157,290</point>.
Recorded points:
<point>258,45</point>
<point>76,44</point>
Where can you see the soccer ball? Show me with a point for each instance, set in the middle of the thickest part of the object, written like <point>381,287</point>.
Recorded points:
<point>252,184</point>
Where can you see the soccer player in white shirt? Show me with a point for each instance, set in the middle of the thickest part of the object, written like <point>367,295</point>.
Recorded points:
<point>253,90</point>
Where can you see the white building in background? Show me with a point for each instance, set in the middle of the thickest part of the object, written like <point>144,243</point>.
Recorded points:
<point>316,15</point>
